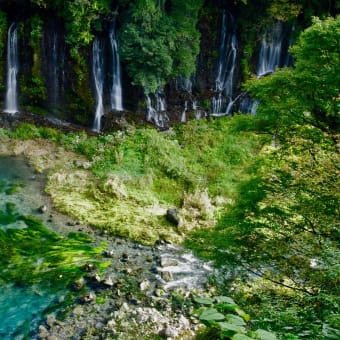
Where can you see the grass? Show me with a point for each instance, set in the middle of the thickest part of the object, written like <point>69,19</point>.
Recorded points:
<point>133,176</point>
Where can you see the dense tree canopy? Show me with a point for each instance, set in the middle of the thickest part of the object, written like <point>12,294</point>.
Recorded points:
<point>158,43</point>
<point>284,226</point>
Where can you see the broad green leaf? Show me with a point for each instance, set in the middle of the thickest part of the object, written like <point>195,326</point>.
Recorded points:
<point>211,314</point>
<point>243,314</point>
<point>241,337</point>
<point>225,299</point>
<point>265,335</point>
<point>225,307</point>
<point>225,326</point>
<point>204,300</point>
<point>235,320</point>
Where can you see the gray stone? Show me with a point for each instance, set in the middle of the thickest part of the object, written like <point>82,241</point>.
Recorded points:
<point>166,276</point>
<point>168,332</point>
<point>166,262</point>
<point>88,298</point>
<point>144,285</point>
<point>50,320</point>
<point>108,282</point>
<point>172,215</point>
<point>42,209</point>
<point>43,332</point>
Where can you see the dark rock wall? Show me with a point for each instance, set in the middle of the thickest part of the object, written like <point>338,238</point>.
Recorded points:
<point>52,82</point>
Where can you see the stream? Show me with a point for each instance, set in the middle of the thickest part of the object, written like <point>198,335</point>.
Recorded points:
<point>137,278</point>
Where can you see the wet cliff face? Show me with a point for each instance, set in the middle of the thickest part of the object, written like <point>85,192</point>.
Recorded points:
<point>56,74</point>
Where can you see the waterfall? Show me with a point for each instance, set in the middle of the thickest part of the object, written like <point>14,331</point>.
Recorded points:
<point>116,90</point>
<point>270,51</point>
<point>183,84</point>
<point>271,56</point>
<point>156,109</point>
<point>98,74</point>
<point>183,115</point>
<point>222,102</point>
<point>11,101</point>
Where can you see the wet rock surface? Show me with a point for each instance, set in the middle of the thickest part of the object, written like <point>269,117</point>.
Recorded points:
<point>133,298</point>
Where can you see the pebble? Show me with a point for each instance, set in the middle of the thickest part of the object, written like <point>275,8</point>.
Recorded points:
<point>144,285</point>
<point>166,262</point>
<point>42,209</point>
<point>43,332</point>
<point>88,297</point>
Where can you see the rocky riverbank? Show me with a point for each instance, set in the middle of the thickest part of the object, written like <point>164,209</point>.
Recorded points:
<point>145,291</point>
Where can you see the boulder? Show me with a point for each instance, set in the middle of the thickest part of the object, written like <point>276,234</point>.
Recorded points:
<point>172,215</point>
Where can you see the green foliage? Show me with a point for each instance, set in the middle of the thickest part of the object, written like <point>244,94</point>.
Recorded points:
<point>310,91</point>
<point>156,44</point>
<point>27,131</point>
<point>284,225</point>
<point>186,39</point>
<point>36,255</point>
<point>145,45</point>
<point>225,320</point>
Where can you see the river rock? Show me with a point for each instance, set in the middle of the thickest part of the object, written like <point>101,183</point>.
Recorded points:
<point>144,285</point>
<point>88,297</point>
<point>108,282</point>
<point>184,322</point>
<point>172,215</point>
<point>51,320</point>
<point>78,284</point>
<point>109,253</point>
<point>42,209</point>
<point>168,262</point>
<point>43,332</point>
<point>89,267</point>
<point>166,276</point>
<point>168,332</point>
<point>159,292</point>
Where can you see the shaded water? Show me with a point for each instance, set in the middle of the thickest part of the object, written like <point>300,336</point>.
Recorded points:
<point>21,306</point>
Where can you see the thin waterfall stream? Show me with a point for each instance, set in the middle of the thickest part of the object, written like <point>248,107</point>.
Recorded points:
<point>98,75</point>
<point>116,90</point>
<point>11,100</point>
<point>222,102</point>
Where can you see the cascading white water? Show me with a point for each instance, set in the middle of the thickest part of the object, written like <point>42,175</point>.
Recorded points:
<point>183,84</point>
<point>184,112</point>
<point>98,74</point>
<point>270,57</point>
<point>116,90</point>
<point>270,51</point>
<point>11,101</point>
<point>156,109</point>
<point>222,102</point>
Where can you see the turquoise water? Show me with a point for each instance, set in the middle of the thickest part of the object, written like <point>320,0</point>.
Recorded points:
<point>21,309</point>
<point>23,305</point>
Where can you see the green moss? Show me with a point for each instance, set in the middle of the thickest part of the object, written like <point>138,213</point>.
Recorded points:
<point>136,176</point>
<point>32,84</point>
<point>36,255</point>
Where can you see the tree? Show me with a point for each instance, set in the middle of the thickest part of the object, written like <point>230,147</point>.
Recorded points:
<point>285,224</point>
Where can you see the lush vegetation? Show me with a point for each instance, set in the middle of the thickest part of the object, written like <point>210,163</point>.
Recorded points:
<point>36,255</point>
<point>284,228</point>
<point>158,43</point>
<point>266,214</point>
